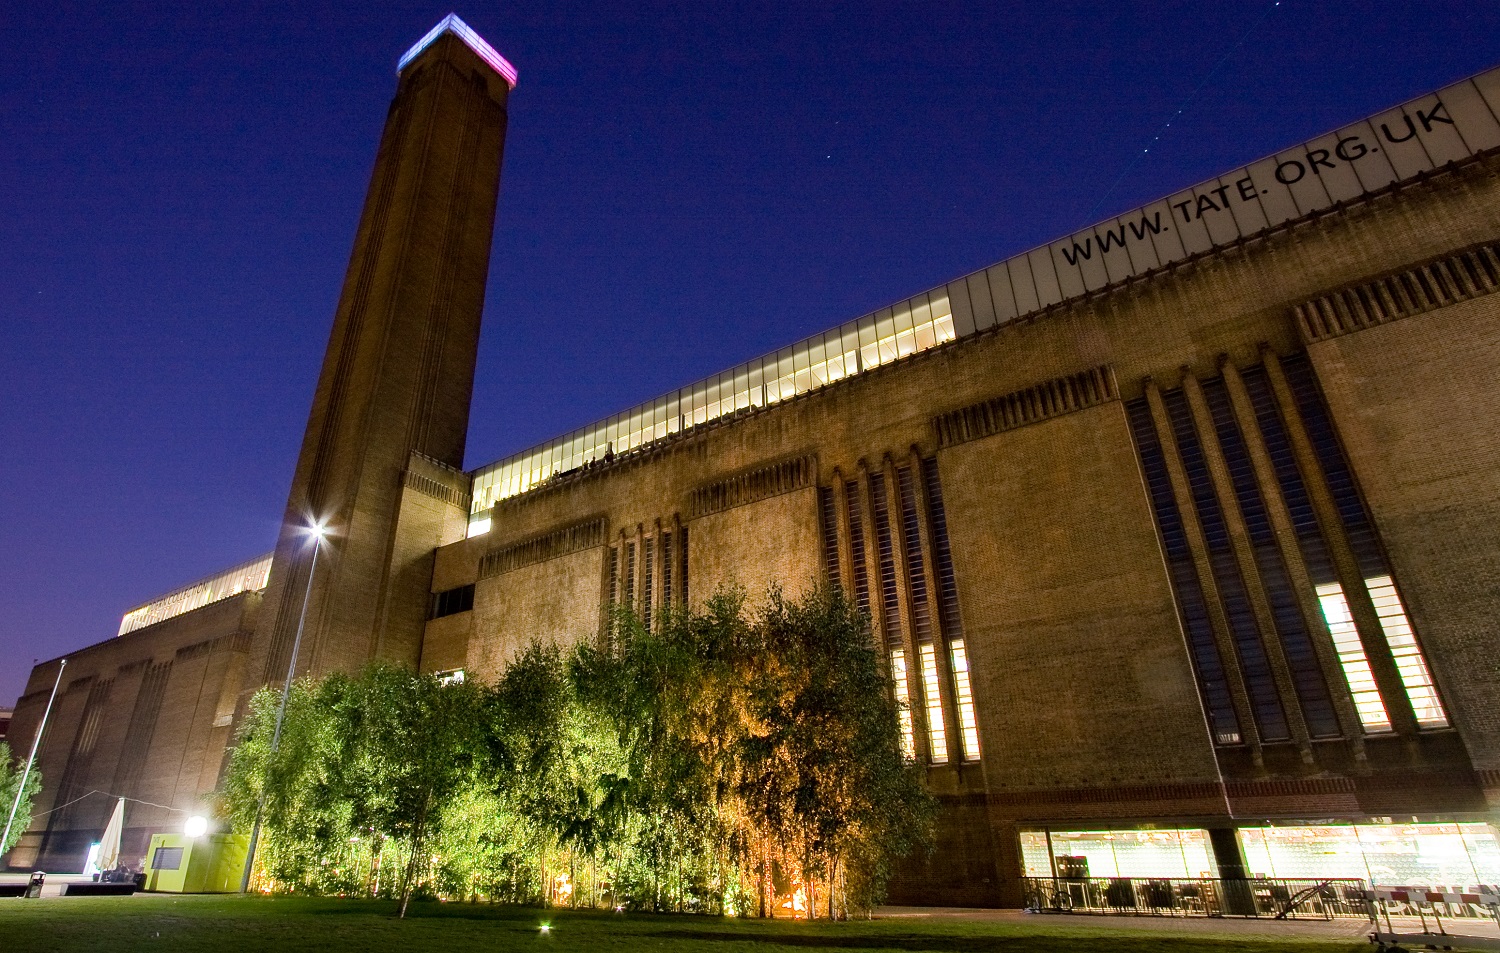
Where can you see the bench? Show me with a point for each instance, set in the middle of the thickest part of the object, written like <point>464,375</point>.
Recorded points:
<point>98,890</point>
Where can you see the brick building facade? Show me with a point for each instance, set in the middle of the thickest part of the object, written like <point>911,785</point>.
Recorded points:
<point>1179,530</point>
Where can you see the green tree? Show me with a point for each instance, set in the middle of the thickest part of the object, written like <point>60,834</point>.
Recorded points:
<point>412,742</point>
<point>696,764</point>
<point>558,762</point>
<point>824,771</point>
<point>360,780</point>
<point>10,782</point>
<point>489,849</point>
<point>676,696</point>
<point>302,791</point>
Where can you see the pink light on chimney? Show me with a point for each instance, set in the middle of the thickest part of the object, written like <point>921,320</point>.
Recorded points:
<point>452,24</point>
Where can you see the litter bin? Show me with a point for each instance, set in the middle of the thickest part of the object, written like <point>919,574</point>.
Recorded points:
<point>34,886</point>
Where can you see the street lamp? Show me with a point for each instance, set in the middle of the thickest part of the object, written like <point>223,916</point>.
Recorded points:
<point>318,531</point>
<point>35,744</point>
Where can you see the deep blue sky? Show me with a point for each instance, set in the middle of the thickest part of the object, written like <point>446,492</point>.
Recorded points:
<point>685,186</point>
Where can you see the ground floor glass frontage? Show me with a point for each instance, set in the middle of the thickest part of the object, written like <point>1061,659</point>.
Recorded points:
<point>1149,853</point>
<point>1428,854</point>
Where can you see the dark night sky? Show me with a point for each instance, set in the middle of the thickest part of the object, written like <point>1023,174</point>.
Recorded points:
<point>685,186</point>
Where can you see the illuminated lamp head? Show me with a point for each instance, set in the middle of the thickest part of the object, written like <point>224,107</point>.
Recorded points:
<point>195,826</point>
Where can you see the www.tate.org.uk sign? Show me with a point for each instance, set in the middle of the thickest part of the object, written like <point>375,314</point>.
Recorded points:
<point>1394,146</point>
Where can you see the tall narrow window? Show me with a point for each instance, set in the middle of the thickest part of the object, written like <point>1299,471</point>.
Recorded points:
<point>148,699</point>
<point>1415,676</point>
<point>1351,652</point>
<point>684,536</point>
<point>648,569</point>
<point>889,602</point>
<point>75,774</point>
<point>1359,529</point>
<point>1340,479</point>
<point>937,732</point>
<point>629,594</point>
<point>916,578</point>
<point>614,577</point>
<point>611,608</point>
<point>827,512</point>
<point>857,548</point>
<point>666,571</point>
<point>967,724</point>
<point>1368,704</point>
<point>942,554</point>
<point>903,702</point>
<point>1255,666</point>
<point>1296,643</point>
<point>1207,663</point>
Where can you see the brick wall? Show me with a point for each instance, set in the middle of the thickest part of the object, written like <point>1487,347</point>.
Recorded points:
<point>166,748</point>
<point>1417,405</point>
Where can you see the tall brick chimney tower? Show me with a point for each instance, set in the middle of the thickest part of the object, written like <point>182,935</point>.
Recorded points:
<point>381,459</point>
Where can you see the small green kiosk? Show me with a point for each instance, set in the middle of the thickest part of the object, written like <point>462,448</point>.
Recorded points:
<point>212,863</point>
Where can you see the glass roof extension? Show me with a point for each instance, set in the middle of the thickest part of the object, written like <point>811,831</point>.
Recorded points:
<point>888,335</point>
<point>246,577</point>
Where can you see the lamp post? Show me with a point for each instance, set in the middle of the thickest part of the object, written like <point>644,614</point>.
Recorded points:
<point>318,531</point>
<point>35,744</point>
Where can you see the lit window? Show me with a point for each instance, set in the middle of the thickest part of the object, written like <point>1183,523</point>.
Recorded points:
<point>1416,678</point>
<point>628,597</point>
<point>805,366</point>
<point>614,576</point>
<point>898,344</point>
<point>480,526</point>
<point>802,380</point>
<point>1351,654</point>
<point>937,734</point>
<point>451,677</point>
<point>1415,675</point>
<point>666,569</point>
<point>903,702</point>
<point>968,727</point>
<point>250,576</point>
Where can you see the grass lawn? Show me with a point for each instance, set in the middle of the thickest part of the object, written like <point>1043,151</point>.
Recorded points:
<point>244,925</point>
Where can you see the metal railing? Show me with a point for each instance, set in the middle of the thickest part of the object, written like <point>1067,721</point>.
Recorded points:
<point>1280,898</point>
<point>1466,902</point>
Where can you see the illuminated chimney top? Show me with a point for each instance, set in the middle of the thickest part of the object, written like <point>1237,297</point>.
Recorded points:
<point>452,24</point>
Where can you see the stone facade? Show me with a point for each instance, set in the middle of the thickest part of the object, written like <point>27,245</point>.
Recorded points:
<point>1128,520</point>
<point>145,717</point>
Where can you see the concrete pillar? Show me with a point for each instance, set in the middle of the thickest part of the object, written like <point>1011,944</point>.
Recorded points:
<point>1235,878</point>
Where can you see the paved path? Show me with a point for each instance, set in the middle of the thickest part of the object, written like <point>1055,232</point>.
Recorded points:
<point>1245,927</point>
